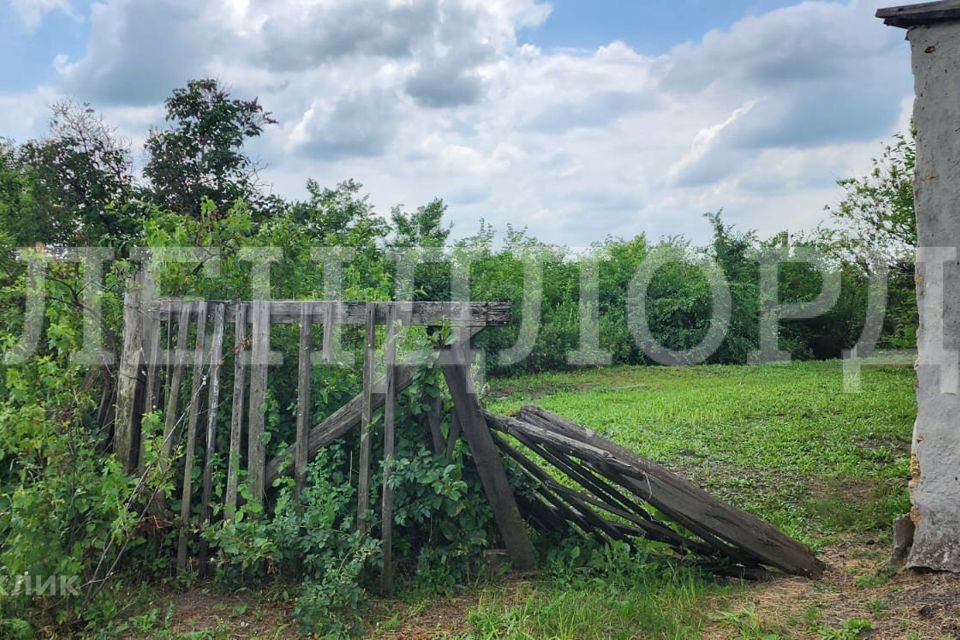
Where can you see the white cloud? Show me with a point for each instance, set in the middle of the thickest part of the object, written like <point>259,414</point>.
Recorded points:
<point>32,12</point>
<point>424,98</point>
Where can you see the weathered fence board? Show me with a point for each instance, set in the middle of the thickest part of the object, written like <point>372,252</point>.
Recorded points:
<point>210,439</point>
<point>366,418</point>
<point>236,417</point>
<point>259,352</point>
<point>303,398</point>
<point>193,414</point>
<point>389,451</point>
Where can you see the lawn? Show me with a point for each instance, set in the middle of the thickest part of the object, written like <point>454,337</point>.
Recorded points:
<point>781,441</point>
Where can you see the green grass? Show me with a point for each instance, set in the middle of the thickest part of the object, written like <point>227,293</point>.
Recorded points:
<point>781,441</point>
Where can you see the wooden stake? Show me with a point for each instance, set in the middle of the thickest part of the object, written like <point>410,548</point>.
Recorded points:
<point>236,417</point>
<point>303,399</point>
<point>194,412</point>
<point>389,452</point>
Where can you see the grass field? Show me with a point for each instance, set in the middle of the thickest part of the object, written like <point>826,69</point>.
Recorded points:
<point>781,441</point>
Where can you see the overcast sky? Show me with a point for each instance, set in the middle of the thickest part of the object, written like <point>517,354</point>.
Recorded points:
<point>578,119</point>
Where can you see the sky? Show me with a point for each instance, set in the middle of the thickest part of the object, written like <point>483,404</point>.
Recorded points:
<point>576,119</point>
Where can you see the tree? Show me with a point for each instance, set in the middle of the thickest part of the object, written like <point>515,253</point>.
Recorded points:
<point>876,216</point>
<point>201,154</point>
<point>71,188</point>
<point>878,224</point>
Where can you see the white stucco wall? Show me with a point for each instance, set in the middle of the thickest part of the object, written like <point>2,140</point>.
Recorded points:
<point>935,469</point>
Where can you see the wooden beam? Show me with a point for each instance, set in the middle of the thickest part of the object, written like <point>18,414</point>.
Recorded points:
<point>366,418</point>
<point>466,314</point>
<point>193,414</point>
<point>389,452</point>
<point>236,417</point>
<point>487,459</point>
<point>303,398</point>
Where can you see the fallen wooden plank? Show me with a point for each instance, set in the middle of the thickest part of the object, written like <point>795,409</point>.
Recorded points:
<point>487,459</point>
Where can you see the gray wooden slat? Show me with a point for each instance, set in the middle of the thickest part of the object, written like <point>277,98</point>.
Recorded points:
<point>329,330</point>
<point>366,417</point>
<point>236,417</point>
<point>193,413</point>
<point>303,399</point>
<point>173,393</point>
<point>210,440</point>
<point>152,350</point>
<point>389,452</point>
<point>152,392</point>
<point>260,348</point>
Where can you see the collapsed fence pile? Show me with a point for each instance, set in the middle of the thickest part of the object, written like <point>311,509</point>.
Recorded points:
<point>638,499</point>
<point>642,500</point>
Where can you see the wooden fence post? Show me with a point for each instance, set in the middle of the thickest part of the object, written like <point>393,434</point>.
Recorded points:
<point>128,375</point>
